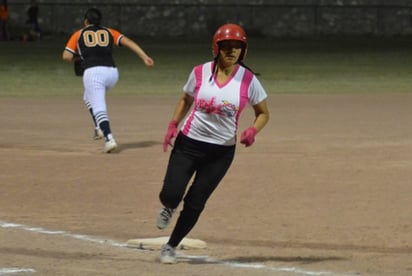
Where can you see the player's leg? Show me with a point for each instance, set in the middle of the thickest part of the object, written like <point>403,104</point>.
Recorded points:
<point>96,81</point>
<point>98,133</point>
<point>179,171</point>
<point>112,76</point>
<point>208,176</point>
<point>209,173</point>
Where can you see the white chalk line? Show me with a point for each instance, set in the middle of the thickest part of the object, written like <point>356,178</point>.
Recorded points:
<point>296,271</point>
<point>10,270</point>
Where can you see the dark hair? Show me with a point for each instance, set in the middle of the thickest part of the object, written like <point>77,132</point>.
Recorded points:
<point>94,16</point>
<point>214,70</point>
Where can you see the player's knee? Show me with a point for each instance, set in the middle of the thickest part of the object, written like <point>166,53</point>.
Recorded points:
<point>195,204</point>
<point>169,199</point>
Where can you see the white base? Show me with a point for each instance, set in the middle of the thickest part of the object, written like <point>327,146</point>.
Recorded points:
<point>156,243</point>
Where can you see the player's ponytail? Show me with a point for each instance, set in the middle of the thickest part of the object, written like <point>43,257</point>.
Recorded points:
<point>214,69</point>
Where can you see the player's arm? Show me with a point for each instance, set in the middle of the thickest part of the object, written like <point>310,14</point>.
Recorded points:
<point>127,42</point>
<point>181,110</point>
<point>182,107</point>
<point>261,118</point>
<point>70,51</point>
<point>68,56</point>
<point>261,115</point>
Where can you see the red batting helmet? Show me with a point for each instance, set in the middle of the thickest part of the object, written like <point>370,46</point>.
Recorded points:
<point>229,32</point>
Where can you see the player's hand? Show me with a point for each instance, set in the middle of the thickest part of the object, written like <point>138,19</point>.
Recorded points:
<point>148,61</point>
<point>171,133</point>
<point>248,136</point>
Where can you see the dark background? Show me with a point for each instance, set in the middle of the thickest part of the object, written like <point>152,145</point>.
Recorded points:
<point>264,18</point>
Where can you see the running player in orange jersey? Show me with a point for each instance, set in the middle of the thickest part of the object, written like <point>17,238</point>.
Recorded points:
<point>92,46</point>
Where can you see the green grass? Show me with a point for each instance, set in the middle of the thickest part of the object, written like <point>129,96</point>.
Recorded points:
<point>307,66</point>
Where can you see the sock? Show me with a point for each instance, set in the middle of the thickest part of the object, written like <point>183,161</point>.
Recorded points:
<point>105,127</point>
<point>89,107</point>
<point>93,118</point>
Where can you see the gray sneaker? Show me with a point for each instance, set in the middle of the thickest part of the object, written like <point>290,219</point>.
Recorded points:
<point>167,255</point>
<point>164,217</point>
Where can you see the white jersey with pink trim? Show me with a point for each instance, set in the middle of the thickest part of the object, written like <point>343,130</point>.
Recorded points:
<point>217,107</point>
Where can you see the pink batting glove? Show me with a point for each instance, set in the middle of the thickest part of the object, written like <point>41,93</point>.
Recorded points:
<point>248,136</point>
<point>171,133</point>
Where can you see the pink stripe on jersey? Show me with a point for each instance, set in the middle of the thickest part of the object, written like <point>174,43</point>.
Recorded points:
<point>198,75</point>
<point>244,95</point>
<point>244,91</point>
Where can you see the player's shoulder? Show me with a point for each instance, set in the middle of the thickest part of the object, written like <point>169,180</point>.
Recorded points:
<point>200,66</point>
<point>112,30</point>
<point>77,32</point>
<point>75,35</point>
<point>117,35</point>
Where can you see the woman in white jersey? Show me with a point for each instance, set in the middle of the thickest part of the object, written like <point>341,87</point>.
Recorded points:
<point>218,90</point>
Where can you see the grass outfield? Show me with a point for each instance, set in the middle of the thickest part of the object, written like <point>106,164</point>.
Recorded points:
<point>310,66</point>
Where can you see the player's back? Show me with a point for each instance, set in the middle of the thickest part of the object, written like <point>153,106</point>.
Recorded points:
<point>95,45</point>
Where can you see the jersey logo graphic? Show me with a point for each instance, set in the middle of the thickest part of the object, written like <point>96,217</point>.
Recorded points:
<point>225,108</point>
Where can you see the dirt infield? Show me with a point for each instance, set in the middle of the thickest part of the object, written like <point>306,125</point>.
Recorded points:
<point>326,190</point>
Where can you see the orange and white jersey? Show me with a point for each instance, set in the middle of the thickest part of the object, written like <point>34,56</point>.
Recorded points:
<point>94,45</point>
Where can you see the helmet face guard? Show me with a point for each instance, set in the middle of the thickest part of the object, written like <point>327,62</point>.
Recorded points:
<point>229,32</point>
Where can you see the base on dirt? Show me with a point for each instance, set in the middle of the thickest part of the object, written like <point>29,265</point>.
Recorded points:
<point>156,243</point>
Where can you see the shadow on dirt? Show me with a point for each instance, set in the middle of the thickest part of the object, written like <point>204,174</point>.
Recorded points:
<point>297,259</point>
<point>262,259</point>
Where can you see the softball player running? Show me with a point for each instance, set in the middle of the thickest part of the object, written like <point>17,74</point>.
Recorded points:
<point>219,90</point>
<point>92,46</point>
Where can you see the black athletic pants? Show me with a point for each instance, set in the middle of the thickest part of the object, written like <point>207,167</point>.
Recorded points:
<point>209,163</point>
